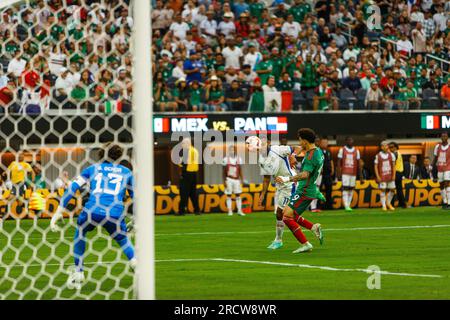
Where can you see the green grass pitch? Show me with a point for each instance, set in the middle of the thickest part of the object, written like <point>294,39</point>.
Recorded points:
<point>219,257</point>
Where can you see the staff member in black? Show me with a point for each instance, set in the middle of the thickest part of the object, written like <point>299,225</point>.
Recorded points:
<point>327,173</point>
<point>188,177</point>
<point>393,147</point>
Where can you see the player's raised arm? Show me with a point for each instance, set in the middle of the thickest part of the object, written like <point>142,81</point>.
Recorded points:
<point>74,186</point>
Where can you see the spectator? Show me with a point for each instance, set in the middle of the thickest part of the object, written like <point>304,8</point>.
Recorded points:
<point>214,95</point>
<point>324,100</point>
<point>445,93</point>
<point>247,75</point>
<point>365,173</point>
<point>234,97</point>
<point>227,27</point>
<point>195,96</point>
<point>352,82</point>
<point>374,97</point>
<point>164,101</point>
<point>8,96</point>
<point>412,170</point>
<point>426,171</point>
<point>233,55</point>
<point>16,65</point>
<point>291,28</point>
<point>252,57</point>
<point>179,28</point>
<point>192,67</point>
<point>181,95</point>
<point>404,45</point>
<point>409,98</point>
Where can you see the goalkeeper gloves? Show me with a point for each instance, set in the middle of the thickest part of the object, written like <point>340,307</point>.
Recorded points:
<point>56,217</point>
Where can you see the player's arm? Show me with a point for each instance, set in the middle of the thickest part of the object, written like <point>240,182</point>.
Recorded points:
<point>266,183</point>
<point>393,170</point>
<point>332,166</point>
<point>301,176</point>
<point>76,185</point>
<point>377,174</point>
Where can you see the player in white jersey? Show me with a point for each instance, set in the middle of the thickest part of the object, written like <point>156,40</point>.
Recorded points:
<point>278,161</point>
<point>232,176</point>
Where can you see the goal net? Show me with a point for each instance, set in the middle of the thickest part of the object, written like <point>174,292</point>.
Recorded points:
<point>67,85</point>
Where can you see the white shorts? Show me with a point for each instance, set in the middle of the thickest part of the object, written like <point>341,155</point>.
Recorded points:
<point>232,186</point>
<point>348,180</point>
<point>444,176</point>
<point>386,185</point>
<point>282,198</point>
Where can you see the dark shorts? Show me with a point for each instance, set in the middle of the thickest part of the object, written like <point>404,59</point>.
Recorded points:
<point>19,189</point>
<point>300,203</point>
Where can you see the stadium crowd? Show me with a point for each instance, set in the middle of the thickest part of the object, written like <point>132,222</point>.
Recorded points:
<point>66,54</point>
<point>213,55</point>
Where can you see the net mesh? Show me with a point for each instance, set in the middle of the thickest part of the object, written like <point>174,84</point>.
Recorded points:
<point>65,91</point>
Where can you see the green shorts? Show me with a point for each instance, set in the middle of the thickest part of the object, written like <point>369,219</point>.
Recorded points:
<point>300,203</point>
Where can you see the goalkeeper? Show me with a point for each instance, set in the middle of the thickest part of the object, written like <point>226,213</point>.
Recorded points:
<point>108,183</point>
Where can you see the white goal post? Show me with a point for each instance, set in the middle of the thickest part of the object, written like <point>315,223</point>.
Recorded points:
<point>143,115</point>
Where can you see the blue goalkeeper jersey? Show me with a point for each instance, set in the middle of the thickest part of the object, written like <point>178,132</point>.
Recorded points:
<point>108,184</point>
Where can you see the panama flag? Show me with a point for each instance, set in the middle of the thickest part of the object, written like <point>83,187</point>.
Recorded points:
<point>278,124</point>
<point>430,122</point>
<point>278,101</point>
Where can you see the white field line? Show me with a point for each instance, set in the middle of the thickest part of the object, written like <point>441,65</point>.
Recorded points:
<point>283,264</point>
<point>257,232</point>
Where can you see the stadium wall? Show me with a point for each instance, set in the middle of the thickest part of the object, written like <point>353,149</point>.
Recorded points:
<point>213,200</point>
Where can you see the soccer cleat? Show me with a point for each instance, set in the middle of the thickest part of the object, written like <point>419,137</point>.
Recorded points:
<point>275,245</point>
<point>133,263</point>
<point>390,207</point>
<point>75,280</point>
<point>317,230</point>
<point>240,213</point>
<point>384,208</point>
<point>316,210</point>
<point>230,213</point>
<point>307,247</point>
<point>348,209</point>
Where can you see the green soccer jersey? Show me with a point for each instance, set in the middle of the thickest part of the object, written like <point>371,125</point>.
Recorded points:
<point>256,10</point>
<point>312,163</point>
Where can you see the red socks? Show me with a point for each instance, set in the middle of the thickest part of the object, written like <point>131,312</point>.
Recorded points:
<point>296,229</point>
<point>303,222</point>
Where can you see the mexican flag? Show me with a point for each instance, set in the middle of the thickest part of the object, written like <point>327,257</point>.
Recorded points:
<point>271,101</point>
<point>113,106</point>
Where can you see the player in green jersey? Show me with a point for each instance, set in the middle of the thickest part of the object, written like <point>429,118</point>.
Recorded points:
<point>306,191</point>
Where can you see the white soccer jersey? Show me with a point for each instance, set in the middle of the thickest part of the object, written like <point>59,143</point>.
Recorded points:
<point>277,164</point>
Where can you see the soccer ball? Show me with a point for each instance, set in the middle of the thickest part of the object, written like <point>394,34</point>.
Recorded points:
<point>253,143</point>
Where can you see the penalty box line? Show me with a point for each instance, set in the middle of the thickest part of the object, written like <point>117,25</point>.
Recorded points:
<point>307,266</point>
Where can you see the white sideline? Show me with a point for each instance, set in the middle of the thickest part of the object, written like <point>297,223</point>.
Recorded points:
<point>272,263</point>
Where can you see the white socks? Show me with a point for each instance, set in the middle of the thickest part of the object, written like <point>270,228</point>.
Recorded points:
<point>314,204</point>
<point>444,196</point>
<point>239,204</point>
<point>279,231</point>
<point>383,198</point>
<point>447,193</point>
<point>390,195</point>
<point>229,203</point>
<point>347,197</point>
